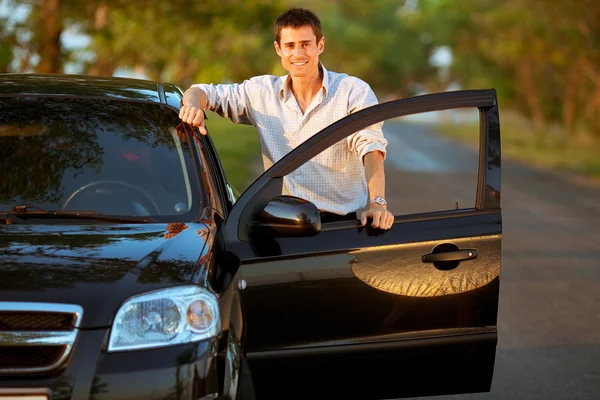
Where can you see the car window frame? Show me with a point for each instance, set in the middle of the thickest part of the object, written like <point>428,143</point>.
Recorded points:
<point>225,198</point>
<point>270,183</point>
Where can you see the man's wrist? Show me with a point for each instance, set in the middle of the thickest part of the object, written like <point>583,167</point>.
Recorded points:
<point>378,201</point>
<point>184,103</point>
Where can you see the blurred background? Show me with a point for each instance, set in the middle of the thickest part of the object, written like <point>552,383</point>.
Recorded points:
<point>542,56</point>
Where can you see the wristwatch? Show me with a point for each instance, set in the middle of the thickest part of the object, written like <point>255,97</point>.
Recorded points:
<point>379,200</point>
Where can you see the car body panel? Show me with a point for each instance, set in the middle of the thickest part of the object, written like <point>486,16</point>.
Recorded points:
<point>188,370</point>
<point>321,298</point>
<point>77,264</point>
<point>354,309</point>
<point>352,302</point>
<point>98,265</point>
<point>79,86</point>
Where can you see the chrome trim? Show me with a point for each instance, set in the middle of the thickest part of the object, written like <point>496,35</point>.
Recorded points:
<point>42,393</point>
<point>44,307</point>
<point>210,396</point>
<point>22,338</point>
<point>40,338</point>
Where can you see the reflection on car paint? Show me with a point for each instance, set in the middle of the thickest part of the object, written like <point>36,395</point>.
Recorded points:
<point>407,275</point>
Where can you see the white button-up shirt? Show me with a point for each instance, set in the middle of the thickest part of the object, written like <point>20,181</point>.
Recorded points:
<point>335,179</point>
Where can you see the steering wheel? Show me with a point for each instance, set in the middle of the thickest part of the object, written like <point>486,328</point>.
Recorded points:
<point>101,187</point>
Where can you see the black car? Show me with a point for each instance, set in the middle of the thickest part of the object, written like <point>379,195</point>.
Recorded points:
<point>128,269</point>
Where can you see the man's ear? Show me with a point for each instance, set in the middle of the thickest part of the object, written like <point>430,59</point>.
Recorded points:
<point>277,49</point>
<point>321,45</point>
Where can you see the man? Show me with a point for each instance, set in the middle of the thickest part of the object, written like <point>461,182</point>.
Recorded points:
<point>347,177</point>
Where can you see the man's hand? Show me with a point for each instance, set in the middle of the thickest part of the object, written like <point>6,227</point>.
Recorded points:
<point>382,218</point>
<point>193,116</point>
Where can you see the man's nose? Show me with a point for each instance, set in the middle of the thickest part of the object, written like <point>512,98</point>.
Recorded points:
<point>298,51</point>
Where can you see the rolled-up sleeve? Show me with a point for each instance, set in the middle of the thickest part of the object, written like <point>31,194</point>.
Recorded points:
<point>371,138</point>
<point>230,100</point>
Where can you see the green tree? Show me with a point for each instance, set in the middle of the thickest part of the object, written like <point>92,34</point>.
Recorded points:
<point>382,43</point>
<point>8,41</point>
<point>181,43</point>
<point>542,55</point>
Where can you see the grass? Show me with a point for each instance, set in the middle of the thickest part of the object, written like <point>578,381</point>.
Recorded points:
<point>553,148</point>
<point>238,148</point>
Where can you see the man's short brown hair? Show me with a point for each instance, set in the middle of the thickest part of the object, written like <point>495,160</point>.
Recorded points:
<point>297,18</point>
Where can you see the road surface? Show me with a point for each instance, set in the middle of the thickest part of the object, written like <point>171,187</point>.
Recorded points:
<point>549,313</point>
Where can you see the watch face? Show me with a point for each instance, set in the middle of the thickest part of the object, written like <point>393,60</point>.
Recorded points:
<point>379,200</point>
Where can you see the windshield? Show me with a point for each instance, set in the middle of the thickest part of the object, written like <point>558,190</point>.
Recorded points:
<point>112,157</point>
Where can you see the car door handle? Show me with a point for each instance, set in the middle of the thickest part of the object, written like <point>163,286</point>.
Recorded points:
<point>456,255</point>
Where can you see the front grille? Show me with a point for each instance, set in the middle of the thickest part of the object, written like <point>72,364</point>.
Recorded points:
<point>36,337</point>
<point>29,357</point>
<point>36,321</point>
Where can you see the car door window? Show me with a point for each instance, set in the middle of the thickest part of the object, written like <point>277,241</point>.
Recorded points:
<point>432,161</point>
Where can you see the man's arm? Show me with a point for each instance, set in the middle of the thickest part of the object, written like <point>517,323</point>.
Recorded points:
<point>375,175</point>
<point>369,144</point>
<point>195,102</point>
<point>231,100</point>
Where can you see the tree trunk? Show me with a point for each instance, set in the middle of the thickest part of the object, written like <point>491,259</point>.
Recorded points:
<point>105,65</point>
<point>527,78</point>
<point>593,101</point>
<point>185,70</point>
<point>101,16</point>
<point>595,104</point>
<point>570,101</point>
<point>103,68</point>
<point>51,27</point>
<point>182,73</point>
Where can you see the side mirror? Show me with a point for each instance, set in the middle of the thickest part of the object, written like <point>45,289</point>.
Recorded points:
<point>288,216</point>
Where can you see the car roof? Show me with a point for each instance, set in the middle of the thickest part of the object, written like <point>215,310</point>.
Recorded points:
<point>88,86</point>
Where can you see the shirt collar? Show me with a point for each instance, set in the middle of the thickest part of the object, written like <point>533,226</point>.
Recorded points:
<point>285,91</point>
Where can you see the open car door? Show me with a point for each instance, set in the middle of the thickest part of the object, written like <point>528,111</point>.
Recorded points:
<point>339,311</point>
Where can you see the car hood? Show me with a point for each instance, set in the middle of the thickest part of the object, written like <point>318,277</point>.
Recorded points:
<point>98,266</point>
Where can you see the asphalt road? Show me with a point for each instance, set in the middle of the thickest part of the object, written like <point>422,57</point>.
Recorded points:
<point>549,312</point>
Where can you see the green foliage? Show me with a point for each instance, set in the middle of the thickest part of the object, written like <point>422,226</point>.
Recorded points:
<point>7,43</point>
<point>239,150</point>
<point>543,56</point>
<point>182,42</point>
<point>232,40</point>
<point>381,43</point>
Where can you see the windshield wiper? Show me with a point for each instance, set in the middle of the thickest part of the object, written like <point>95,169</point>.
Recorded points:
<point>37,212</point>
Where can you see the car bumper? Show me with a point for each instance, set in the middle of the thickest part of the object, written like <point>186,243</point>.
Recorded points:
<point>183,372</point>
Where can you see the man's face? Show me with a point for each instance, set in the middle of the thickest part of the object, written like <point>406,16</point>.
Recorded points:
<point>299,51</point>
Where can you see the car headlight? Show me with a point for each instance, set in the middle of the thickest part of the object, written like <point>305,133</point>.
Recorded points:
<point>165,317</point>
